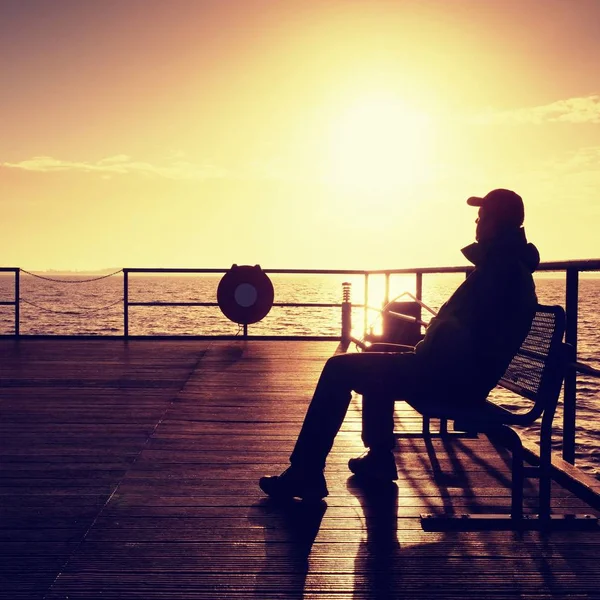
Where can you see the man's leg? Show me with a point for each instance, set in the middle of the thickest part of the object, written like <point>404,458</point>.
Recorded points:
<point>379,376</point>
<point>326,412</point>
<point>378,421</point>
<point>378,401</point>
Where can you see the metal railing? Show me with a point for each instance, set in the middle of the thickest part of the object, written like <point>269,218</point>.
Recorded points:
<point>149,271</point>
<point>572,270</point>
<point>16,302</point>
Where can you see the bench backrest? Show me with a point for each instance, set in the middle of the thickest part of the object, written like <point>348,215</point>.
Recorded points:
<point>537,370</point>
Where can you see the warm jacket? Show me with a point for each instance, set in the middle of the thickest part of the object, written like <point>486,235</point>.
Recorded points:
<point>470,343</point>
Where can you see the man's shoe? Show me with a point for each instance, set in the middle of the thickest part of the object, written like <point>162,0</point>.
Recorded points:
<point>295,484</point>
<point>375,466</point>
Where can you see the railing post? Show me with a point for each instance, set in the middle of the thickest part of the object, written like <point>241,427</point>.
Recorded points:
<point>386,298</point>
<point>366,317</point>
<point>17,302</point>
<point>346,311</point>
<point>419,286</point>
<point>570,389</point>
<point>126,303</point>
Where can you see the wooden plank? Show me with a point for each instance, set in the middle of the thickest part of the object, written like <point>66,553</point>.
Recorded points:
<point>60,404</point>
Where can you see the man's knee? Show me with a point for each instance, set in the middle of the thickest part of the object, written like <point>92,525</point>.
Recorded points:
<point>344,369</point>
<point>342,362</point>
<point>336,364</point>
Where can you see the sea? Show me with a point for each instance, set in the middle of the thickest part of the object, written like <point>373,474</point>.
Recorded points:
<point>78,304</point>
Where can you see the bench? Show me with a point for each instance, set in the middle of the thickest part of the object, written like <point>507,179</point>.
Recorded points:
<point>536,373</point>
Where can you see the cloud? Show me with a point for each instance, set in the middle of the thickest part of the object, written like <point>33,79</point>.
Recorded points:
<point>583,159</point>
<point>121,164</point>
<point>572,110</point>
<point>573,177</point>
<point>174,167</point>
<point>580,172</point>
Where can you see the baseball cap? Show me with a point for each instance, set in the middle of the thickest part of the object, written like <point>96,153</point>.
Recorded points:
<point>504,205</point>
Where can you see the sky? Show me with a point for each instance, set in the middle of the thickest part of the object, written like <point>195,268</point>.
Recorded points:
<point>292,134</point>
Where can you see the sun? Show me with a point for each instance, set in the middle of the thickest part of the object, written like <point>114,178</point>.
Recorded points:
<point>379,143</point>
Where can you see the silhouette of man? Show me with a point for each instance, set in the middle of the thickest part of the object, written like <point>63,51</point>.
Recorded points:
<point>465,351</point>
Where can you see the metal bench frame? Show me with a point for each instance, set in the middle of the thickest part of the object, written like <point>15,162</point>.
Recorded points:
<point>536,372</point>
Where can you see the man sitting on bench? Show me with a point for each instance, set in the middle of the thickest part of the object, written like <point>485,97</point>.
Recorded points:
<point>466,350</point>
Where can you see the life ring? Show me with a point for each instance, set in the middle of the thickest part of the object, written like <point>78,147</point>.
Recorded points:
<point>245,294</point>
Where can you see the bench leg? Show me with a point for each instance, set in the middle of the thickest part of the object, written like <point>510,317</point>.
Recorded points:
<point>516,509</point>
<point>510,439</point>
<point>443,426</point>
<point>545,474</point>
<point>516,521</point>
<point>427,427</point>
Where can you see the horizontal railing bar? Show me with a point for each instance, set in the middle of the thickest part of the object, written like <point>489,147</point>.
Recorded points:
<point>9,269</point>
<point>413,271</point>
<point>164,270</point>
<point>581,265</point>
<point>224,270</point>
<point>13,303</point>
<point>310,271</point>
<point>316,271</point>
<point>309,304</point>
<point>285,304</point>
<point>172,304</point>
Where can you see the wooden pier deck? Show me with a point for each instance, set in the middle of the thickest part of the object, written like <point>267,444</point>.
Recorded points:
<point>129,470</point>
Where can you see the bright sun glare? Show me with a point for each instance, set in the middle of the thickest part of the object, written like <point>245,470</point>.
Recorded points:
<point>380,143</point>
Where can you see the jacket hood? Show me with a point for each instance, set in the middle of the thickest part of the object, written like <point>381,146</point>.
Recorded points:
<point>510,246</point>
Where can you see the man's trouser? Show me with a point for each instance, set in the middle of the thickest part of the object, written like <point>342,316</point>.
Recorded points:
<point>380,377</point>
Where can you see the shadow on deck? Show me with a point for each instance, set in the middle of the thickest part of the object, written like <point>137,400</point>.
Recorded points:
<point>129,470</point>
